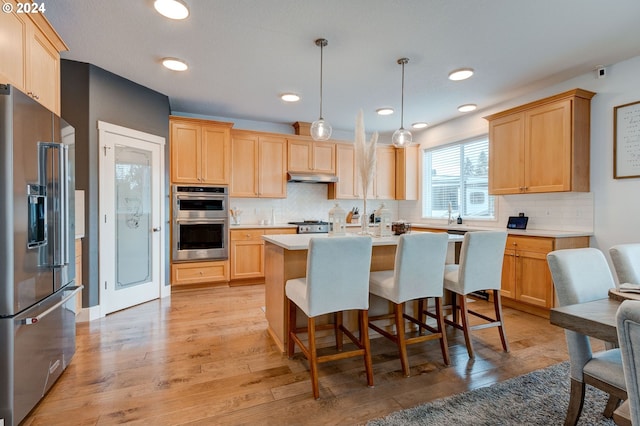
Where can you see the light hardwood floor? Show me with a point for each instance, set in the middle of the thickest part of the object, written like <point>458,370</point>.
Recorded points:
<point>203,357</point>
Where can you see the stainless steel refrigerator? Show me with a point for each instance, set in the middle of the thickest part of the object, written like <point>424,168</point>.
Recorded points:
<point>37,252</point>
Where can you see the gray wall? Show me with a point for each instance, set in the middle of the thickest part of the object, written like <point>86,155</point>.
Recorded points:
<point>91,94</point>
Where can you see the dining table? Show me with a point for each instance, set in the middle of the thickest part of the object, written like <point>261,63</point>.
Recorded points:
<point>595,319</point>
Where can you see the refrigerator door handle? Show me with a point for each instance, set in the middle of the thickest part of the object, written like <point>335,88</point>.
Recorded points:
<point>64,204</point>
<point>36,319</point>
<point>54,169</point>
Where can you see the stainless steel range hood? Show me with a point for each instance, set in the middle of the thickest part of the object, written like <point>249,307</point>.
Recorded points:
<point>311,177</point>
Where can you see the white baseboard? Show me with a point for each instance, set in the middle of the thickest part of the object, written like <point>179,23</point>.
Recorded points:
<point>88,314</point>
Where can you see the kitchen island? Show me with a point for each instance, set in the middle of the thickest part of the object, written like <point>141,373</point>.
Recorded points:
<point>286,258</point>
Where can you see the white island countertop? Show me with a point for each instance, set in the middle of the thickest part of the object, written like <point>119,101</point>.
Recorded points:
<point>301,241</point>
<point>525,232</point>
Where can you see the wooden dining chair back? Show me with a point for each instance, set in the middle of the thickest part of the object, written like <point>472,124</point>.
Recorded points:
<point>628,327</point>
<point>579,276</point>
<point>626,262</point>
<point>480,268</point>
<point>417,275</point>
<point>337,280</point>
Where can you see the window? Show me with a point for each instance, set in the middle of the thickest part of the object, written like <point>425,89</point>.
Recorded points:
<point>457,176</point>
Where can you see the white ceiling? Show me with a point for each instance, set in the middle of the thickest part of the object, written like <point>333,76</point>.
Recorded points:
<point>244,53</point>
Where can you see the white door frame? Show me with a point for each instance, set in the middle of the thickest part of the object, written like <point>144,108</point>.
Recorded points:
<point>105,128</point>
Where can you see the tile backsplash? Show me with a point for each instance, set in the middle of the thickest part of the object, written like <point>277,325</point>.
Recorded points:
<point>305,201</point>
<point>570,211</point>
<point>566,211</point>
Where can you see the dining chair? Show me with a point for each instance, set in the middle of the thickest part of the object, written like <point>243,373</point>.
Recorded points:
<point>628,328</point>
<point>337,280</point>
<point>579,276</point>
<point>417,275</point>
<point>626,262</point>
<point>480,268</point>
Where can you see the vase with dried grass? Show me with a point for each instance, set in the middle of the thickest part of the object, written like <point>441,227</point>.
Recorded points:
<point>366,163</point>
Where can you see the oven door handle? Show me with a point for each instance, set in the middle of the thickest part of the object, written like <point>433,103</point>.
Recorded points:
<point>198,221</point>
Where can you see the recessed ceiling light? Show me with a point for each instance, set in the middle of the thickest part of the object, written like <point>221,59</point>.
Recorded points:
<point>467,107</point>
<point>175,64</point>
<point>419,125</point>
<point>172,9</point>
<point>461,74</point>
<point>384,111</point>
<point>290,97</point>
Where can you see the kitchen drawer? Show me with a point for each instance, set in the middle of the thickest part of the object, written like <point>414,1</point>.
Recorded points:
<point>199,272</point>
<point>537,244</point>
<point>276,231</point>
<point>247,234</point>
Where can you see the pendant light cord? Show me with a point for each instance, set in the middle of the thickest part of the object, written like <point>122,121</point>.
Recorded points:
<point>322,43</point>
<point>321,67</point>
<point>402,61</point>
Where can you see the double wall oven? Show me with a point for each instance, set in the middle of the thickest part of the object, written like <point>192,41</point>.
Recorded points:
<point>200,223</point>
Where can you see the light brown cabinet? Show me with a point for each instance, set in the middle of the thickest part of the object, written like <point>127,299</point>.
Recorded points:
<point>407,173</point>
<point>542,146</point>
<point>200,151</point>
<point>384,184</point>
<point>199,273</point>
<point>526,279</point>
<point>247,252</point>
<point>348,186</point>
<point>258,165</point>
<point>30,55</point>
<point>396,175</point>
<point>309,156</point>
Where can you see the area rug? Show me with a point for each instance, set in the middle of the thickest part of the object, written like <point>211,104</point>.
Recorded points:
<point>537,398</point>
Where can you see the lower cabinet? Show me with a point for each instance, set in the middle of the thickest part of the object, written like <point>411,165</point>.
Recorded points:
<point>190,273</point>
<point>526,279</point>
<point>247,253</point>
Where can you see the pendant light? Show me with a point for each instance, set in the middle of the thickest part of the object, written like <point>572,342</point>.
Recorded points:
<point>320,129</point>
<point>402,137</point>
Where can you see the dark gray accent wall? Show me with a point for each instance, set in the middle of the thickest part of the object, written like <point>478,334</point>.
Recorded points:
<point>90,94</point>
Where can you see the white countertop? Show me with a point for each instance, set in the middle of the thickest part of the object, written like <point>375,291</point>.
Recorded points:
<point>301,241</point>
<point>525,232</point>
<point>257,226</point>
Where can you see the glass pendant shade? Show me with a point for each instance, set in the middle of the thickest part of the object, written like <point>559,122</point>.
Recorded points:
<point>401,138</point>
<point>320,130</point>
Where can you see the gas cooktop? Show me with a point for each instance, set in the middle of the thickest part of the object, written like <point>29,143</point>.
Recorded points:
<point>311,227</point>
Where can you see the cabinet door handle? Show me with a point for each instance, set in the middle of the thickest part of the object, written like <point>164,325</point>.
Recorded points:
<point>156,229</point>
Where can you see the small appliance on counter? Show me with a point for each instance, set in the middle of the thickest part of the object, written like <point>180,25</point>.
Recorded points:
<point>517,222</point>
<point>400,227</point>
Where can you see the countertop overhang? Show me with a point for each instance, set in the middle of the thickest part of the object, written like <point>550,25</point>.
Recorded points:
<point>301,241</point>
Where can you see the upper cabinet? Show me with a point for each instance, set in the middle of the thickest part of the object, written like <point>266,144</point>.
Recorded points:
<point>309,156</point>
<point>542,146</point>
<point>407,174</point>
<point>258,165</point>
<point>200,151</point>
<point>348,186</point>
<point>384,184</point>
<point>30,55</point>
<point>396,176</point>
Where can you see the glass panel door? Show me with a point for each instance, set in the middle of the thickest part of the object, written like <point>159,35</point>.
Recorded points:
<point>133,216</point>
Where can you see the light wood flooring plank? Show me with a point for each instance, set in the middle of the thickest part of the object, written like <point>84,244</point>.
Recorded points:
<point>203,357</point>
